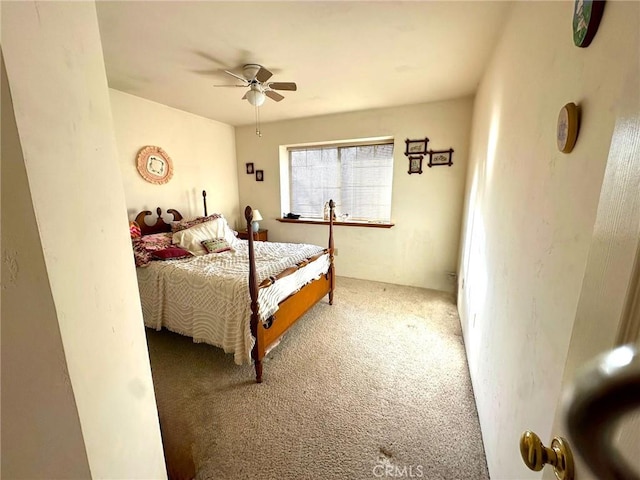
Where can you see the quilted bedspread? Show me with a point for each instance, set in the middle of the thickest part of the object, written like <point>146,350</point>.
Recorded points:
<point>207,297</point>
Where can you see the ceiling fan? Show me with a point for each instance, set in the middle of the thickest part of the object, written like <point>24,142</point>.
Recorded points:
<point>256,77</point>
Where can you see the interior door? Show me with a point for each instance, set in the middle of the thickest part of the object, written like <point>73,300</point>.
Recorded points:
<point>608,312</point>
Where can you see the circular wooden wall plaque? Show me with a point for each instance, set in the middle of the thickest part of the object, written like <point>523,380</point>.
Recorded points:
<point>567,129</point>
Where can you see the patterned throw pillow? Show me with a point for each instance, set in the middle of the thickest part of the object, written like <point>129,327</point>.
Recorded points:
<point>156,241</point>
<point>184,224</point>
<point>134,229</point>
<point>216,245</point>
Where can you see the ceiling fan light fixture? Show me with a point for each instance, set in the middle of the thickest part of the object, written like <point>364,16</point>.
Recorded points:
<point>256,97</point>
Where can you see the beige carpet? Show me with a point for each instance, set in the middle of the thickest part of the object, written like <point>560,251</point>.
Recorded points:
<point>375,386</point>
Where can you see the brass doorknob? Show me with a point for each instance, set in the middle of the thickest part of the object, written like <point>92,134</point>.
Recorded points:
<point>535,455</point>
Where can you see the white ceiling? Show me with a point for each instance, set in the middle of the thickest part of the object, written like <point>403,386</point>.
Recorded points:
<point>344,56</point>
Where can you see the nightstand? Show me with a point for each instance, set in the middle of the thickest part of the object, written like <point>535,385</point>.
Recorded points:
<point>260,235</point>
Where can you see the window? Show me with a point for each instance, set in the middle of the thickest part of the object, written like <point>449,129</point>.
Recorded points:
<point>357,177</point>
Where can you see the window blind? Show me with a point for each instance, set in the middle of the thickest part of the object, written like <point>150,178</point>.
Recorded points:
<point>357,177</point>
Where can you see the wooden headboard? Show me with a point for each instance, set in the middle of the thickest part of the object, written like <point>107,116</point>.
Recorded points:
<point>160,225</point>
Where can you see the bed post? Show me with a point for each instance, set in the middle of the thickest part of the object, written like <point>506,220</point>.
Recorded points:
<point>332,272</point>
<point>204,201</point>
<point>258,349</point>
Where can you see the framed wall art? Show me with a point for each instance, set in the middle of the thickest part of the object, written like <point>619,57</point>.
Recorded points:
<point>249,167</point>
<point>259,175</point>
<point>415,164</point>
<point>440,157</point>
<point>416,147</point>
<point>154,165</point>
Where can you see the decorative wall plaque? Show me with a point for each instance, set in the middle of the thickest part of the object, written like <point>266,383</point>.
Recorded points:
<point>154,165</point>
<point>586,19</point>
<point>567,129</point>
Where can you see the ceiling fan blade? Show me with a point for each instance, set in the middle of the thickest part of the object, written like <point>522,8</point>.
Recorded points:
<point>241,86</point>
<point>273,95</point>
<point>263,75</point>
<point>237,76</point>
<point>283,86</point>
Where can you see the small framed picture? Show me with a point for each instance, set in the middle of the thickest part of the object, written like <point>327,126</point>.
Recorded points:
<point>415,164</point>
<point>416,147</point>
<point>259,175</point>
<point>440,157</point>
<point>249,168</point>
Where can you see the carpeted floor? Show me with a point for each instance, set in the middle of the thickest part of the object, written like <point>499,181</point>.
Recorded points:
<point>375,386</point>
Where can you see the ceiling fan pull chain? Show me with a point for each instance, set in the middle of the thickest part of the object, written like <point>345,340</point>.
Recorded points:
<point>258,132</point>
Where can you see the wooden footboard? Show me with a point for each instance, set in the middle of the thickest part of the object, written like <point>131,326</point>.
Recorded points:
<point>290,309</point>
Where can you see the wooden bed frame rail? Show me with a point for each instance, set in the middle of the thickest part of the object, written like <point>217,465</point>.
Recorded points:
<point>292,308</point>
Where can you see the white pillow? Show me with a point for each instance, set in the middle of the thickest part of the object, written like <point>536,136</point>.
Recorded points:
<point>230,235</point>
<point>190,239</point>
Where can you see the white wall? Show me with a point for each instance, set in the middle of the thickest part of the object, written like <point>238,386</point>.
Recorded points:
<point>58,85</point>
<point>422,247</point>
<point>202,151</point>
<point>530,212</point>
<point>40,426</point>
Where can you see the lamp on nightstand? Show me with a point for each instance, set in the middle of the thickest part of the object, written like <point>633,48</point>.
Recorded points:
<point>255,226</point>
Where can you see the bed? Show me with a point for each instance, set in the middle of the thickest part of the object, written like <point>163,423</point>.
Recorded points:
<point>241,299</point>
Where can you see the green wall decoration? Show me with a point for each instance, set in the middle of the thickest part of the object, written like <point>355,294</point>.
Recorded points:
<point>586,18</point>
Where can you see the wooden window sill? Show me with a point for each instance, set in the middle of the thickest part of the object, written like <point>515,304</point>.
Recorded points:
<point>310,221</point>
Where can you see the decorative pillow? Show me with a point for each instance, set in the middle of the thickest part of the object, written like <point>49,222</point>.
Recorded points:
<point>134,229</point>
<point>184,224</point>
<point>216,245</point>
<point>140,255</point>
<point>170,253</point>
<point>191,238</point>
<point>156,241</point>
